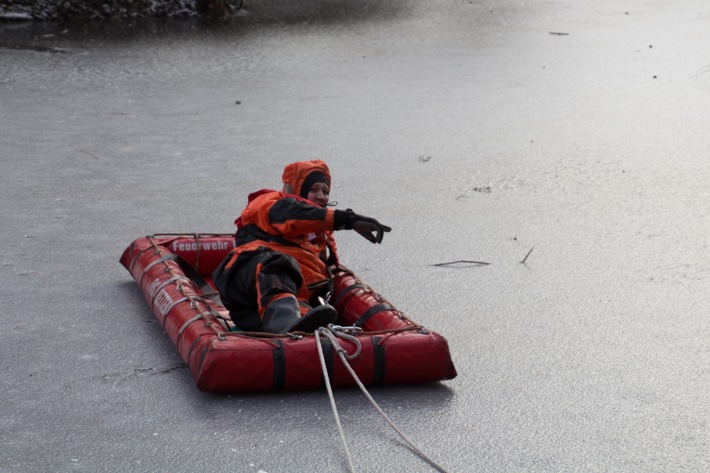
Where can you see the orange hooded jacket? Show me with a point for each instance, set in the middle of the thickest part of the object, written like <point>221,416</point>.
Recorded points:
<point>287,223</point>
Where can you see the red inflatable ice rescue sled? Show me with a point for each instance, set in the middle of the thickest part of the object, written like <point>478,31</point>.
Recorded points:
<point>173,271</point>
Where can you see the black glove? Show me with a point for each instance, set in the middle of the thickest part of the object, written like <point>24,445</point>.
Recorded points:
<point>368,227</point>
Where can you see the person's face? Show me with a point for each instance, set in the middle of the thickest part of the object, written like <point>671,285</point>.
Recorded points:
<point>319,193</point>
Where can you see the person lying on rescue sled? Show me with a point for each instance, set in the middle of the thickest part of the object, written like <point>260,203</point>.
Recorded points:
<point>279,276</point>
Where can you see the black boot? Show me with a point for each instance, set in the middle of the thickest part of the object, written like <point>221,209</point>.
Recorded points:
<point>280,315</point>
<point>313,319</point>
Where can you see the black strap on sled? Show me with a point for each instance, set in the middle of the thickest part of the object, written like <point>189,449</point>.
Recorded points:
<point>369,313</point>
<point>279,365</point>
<point>343,292</point>
<point>380,361</point>
<point>329,356</point>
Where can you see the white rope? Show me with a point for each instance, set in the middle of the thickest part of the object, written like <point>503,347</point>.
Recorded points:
<point>331,332</point>
<point>332,402</point>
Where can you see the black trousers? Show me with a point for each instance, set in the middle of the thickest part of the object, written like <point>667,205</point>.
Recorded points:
<point>253,281</point>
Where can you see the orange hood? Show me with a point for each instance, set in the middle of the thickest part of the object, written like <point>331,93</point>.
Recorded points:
<point>296,174</point>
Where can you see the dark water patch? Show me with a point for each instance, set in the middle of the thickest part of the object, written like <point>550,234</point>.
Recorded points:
<point>249,18</point>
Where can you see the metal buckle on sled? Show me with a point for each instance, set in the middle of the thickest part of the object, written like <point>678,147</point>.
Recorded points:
<point>350,330</point>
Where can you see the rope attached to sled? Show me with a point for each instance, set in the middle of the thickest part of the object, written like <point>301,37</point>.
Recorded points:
<point>328,334</point>
<point>331,333</point>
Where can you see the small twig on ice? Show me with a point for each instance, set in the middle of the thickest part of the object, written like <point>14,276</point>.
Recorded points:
<point>526,256</point>
<point>89,153</point>
<point>463,261</point>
